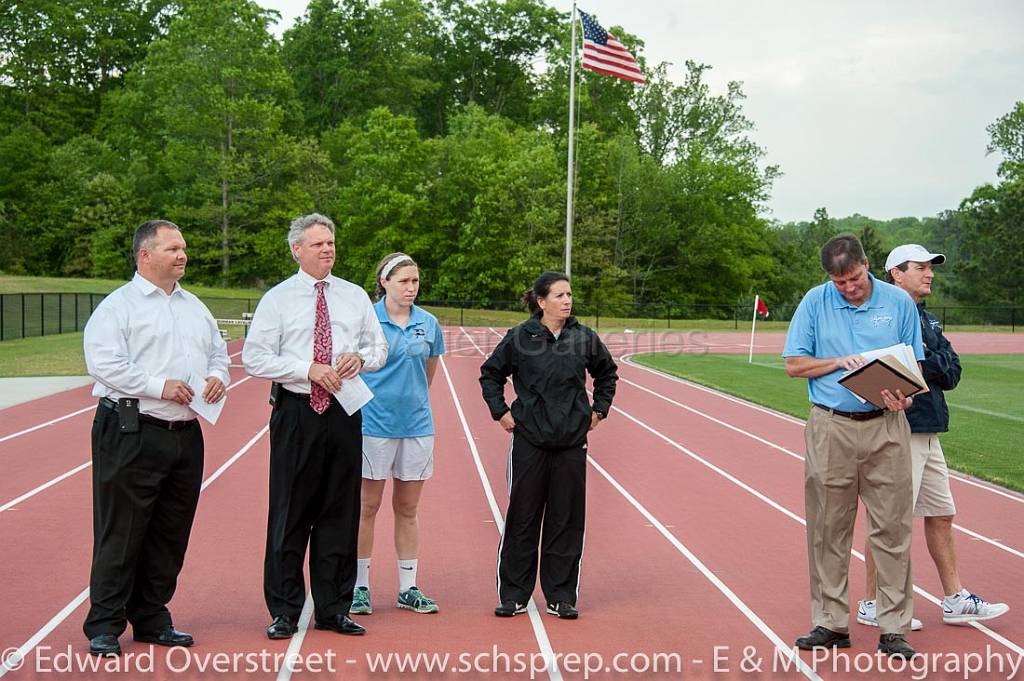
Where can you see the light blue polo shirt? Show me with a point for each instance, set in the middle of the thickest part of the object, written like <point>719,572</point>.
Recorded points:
<point>401,406</point>
<point>825,325</point>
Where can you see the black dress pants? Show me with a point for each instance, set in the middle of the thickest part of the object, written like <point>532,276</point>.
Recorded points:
<point>547,493</point>
<point>145,488</point>
<point>315,476</point>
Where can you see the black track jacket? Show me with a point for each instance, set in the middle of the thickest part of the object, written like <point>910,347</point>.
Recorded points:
<point>551,408</point>
<point>941,369</point>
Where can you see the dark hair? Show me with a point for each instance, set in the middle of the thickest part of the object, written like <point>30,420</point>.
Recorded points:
<point>404,262</point>
<point>145,233</point>
<point>902,268</point>
<point>842,253</point>
<point>541,288</point>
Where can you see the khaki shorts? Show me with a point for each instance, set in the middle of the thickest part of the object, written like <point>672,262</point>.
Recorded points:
<point>404,458</point>
<point>931,477</point>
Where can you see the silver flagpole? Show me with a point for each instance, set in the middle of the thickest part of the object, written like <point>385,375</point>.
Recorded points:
<point>569,174</point>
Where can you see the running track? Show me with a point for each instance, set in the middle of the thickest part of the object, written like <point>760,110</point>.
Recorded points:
<point>695,545</point>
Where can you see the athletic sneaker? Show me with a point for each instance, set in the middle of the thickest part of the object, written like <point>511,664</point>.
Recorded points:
<point>965,607</point>
<point>414,599</point>
<point>563,610</point>
<point>866,614</point>
<point>361,601</point>
<point>509,609</point>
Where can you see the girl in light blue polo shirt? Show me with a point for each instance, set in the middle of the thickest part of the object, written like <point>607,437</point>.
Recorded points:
<point>398,429</point>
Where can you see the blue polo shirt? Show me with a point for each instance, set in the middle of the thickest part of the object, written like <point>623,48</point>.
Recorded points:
<point>826,325</point>
<point>401,406</point>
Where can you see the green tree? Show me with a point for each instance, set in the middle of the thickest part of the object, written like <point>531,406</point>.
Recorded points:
<point>1007,137</point>
<point>208,111</point>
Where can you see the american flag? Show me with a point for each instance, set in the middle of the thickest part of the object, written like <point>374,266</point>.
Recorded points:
<point>602,52</point>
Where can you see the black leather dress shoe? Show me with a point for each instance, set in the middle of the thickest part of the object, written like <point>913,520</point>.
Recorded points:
<point>821,637</point>
<point>167,636</point>
<point>283,626</point>
<point>104,645</point>
<point>342,624</point>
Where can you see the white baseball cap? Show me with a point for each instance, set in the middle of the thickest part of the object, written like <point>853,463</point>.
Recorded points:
<point>912,253</point>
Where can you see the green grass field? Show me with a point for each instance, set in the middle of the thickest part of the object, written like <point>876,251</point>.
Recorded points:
<point>986,412</point>
<point>10,283</point>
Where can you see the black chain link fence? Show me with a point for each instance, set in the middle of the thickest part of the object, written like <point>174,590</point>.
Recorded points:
<point>25,315</point>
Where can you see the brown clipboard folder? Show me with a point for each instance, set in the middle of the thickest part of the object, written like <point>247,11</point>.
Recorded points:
<point>882,373</point>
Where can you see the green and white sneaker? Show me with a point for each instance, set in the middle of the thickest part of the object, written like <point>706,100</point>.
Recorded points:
<point>361,602</point>
<point>414,599</point>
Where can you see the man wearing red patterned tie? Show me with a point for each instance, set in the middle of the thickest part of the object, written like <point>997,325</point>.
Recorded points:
<point>310,333</point>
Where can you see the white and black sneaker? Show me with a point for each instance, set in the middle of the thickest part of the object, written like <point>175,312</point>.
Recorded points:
<point>965,607</point>
<point>509,609</point>
<point>563,610</point>
<point>867,614</point>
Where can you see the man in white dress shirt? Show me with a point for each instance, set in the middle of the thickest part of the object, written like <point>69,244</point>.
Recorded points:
<point>308,334</point>
<point>144,344</point>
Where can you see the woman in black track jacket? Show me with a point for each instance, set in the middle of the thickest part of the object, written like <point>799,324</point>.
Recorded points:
<point>548,357</point>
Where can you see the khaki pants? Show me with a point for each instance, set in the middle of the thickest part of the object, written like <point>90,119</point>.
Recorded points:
<point>847,459</point>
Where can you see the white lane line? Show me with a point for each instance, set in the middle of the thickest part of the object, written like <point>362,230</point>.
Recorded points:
<point>5,438</point>
<point>539,632</point>
<point>295,645</point>
<point>466,333</point>
<point>1010,644</point>
<point>971,533</point>
<point>46,424</point>
<point>780,645</point>
<point>80,467</point>
<point>986,412</point>
<point>65,612</point>
<point>31,493</point>
<point>627,359</point>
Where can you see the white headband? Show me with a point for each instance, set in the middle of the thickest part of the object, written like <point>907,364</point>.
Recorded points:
<point>391,264</point>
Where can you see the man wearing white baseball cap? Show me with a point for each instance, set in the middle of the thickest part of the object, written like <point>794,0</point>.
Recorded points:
<point>910,267</point>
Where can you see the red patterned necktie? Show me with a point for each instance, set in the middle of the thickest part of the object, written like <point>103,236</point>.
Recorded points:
<point>319,398</point>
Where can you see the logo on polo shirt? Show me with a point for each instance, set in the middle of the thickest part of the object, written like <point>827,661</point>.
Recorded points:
<point>881,320</point>
<point>419,332</point>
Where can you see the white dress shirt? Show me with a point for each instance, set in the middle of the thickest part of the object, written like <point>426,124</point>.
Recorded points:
<point>138,337</point>
<point>279,345</point>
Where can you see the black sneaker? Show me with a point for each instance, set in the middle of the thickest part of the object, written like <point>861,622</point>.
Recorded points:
<point>821,637</point>
<point>510,609</point>
<point>894,645</point>
<point>563,610</point>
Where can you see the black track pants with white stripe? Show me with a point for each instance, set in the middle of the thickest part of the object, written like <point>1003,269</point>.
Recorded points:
<point>547,493</point>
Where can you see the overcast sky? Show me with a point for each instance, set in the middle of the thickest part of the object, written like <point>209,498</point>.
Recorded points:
<point>877,107</point>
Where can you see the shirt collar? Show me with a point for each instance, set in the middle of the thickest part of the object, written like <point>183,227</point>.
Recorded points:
<point>416,315</point>
<point>308,281</point>
<point>146,287</point>
<point>839,302</point>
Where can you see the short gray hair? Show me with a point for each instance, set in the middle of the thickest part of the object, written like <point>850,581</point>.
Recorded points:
<point>299,225</point>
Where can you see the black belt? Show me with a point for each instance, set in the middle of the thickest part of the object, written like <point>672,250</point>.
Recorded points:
<point>854,415</point>
<point>152,420</point>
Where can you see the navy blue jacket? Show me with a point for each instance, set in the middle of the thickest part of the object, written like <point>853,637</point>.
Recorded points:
<point>941,369</point>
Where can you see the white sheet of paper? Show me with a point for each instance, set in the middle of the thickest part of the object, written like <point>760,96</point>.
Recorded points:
<point>353,395</point>
<point>903,352</point>
<point>210,412</point>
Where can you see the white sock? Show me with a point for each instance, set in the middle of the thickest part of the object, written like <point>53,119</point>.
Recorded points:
<point>363,572</point>
<point>406,574</point>
<point>953,598</point>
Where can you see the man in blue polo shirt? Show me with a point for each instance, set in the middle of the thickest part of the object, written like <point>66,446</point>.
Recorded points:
<point>854,449</point>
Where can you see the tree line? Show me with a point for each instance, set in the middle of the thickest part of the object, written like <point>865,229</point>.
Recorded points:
<point>436,127</point>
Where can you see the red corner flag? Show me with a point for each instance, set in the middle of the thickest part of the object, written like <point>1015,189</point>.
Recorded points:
<point>603,53</point>
<point>762,309</point>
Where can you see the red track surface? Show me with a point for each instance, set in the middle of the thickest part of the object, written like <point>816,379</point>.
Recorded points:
<point>694,540</point>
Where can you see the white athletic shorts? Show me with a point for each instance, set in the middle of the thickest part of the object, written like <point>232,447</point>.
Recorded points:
<point>404,458</point>
<point>931,477</point>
